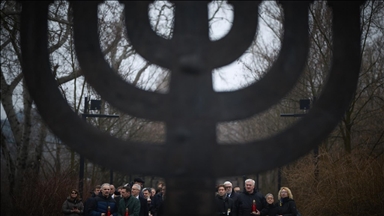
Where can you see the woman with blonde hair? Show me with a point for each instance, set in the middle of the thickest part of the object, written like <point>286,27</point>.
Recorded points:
<point>287,205</point>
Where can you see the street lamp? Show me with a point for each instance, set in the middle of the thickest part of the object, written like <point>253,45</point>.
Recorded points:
<point>305,105</point>
<point>95,105</point>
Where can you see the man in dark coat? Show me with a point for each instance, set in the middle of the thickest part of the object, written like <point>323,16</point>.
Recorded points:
<point>140,182</point>
<point>117,198</point>
<point>225,205</point>
<point>157,204</point>
<point>102,202</point>
<point>230,191</point>
<point>136,189</point>
<point>245,200</point>
<point>88,202</point>
<point>128,202</point>
<point>147,195</point>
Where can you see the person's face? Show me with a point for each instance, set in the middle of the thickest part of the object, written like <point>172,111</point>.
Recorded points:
<point>283,193</point>
<point>249,186</point>
<point>160,185</point>
<point>73,194</point>
<point>97,190</point>
<point>221,191</point>
<point>112,189</point>
<point>146,194</point>
<point>153,191</point>
<point>105,190</point>
<point>236,189</point>
<point>228,188</point>
<point>125,193</point>
<point>270,199</point>
<point>135,191</point>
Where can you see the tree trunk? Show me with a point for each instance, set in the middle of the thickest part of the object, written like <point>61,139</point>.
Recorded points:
<point>39,151</point>
<point>22,158</point>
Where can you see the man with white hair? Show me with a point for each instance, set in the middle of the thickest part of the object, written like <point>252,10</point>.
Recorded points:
<point>229,190</point>
<point>250,202</point>
<point>103,203</point>
<point>136,189</point>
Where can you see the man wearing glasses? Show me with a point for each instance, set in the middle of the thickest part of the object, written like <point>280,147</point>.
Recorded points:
<point>136,189</point>
<point>229,190</point>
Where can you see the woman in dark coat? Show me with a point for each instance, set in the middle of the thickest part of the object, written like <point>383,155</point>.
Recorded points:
<point>272,207</point>
<point>287,206</point>
<point>73,205</point>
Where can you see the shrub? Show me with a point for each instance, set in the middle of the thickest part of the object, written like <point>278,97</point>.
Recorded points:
<point>351,184</point>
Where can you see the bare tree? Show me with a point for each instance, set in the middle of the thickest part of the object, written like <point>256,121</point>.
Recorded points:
<point>361,127</point>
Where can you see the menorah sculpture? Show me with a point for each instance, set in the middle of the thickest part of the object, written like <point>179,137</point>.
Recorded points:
<point>189,160</point>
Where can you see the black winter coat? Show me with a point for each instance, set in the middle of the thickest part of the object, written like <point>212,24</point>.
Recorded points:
<point>143,206</point>
<point>225,206</point>
<point>270,210</point>
<point>117,200</point>
<point>234,195</point>
<point>157,205</point>
<point>244,202</point>
<point>287,207</point>
<point>69,204</point>
<point>87,204</point>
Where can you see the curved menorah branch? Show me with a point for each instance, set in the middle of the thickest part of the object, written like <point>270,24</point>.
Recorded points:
<point>322,118</point>
<point>108,84</point>
<point>64,123</point>
<point>281,77</point>
<point>160,51</point>
<point>146,42</point>
<point>226,50</point>
<point>191,117</point>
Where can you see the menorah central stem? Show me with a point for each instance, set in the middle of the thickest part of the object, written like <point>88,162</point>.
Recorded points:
<point>190,146</point>
<point>191,132</point>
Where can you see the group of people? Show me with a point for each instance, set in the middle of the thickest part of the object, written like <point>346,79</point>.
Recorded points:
<point>251,202</point>
<point>134,200</point>
<point>129,199</point>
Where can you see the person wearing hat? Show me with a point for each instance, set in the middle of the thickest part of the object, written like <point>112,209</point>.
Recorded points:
<point>139,181</point>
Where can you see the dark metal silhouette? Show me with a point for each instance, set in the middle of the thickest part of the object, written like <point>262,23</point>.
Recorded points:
<point>188,159</point>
